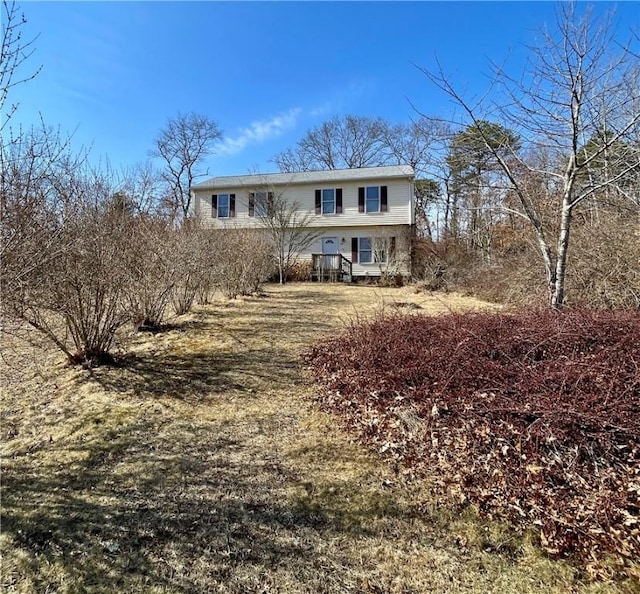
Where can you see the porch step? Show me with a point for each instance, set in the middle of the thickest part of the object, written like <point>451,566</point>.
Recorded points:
<point>330,268</point>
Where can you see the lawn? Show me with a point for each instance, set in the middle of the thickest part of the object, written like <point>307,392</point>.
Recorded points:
<point>202,464</point>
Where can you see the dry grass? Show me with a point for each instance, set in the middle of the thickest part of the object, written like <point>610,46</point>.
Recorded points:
<point>201,465</point>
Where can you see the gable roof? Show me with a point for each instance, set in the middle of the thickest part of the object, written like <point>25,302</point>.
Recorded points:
<point>285,179</point>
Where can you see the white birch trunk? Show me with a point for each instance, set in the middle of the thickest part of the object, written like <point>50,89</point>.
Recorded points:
<point>558,291</point>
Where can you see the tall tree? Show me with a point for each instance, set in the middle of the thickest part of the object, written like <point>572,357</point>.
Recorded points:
<point>414,143</point>
<point>473,169</point>
<point>14,52</point>
<point>183,144</point>
<point>342,142</point>
<point>427,196</point>
<point>579,80</point>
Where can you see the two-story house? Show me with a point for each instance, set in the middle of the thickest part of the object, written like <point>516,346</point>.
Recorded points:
<point>364,217</point>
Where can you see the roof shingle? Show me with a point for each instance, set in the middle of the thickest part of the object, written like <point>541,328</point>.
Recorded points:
<point>285,179</point>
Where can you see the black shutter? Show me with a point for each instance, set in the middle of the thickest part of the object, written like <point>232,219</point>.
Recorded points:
<point>338,200</point>
<point>360,199</point>
<point>354,250</point>
<point>269,209</point>
<point>232,205</point>
<point>214,206</point>
<point>252,203</point>
<point>383,199</point>
<point>392,250</point>
<point>318,202</point>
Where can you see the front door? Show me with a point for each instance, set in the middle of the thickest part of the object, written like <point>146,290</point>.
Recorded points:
<point>329,245</point>
<point>329,258</point>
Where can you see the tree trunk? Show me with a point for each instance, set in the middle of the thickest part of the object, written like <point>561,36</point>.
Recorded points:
<point>557,295</point>
<point>281,266</point>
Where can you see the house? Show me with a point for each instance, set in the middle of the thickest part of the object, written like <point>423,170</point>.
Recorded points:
<point>364,218</point>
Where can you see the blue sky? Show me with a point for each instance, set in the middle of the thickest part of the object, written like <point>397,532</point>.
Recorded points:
<point>113,72</point>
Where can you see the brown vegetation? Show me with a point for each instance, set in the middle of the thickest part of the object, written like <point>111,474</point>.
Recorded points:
<point>201,466</point>
<point>604,258</point>
<point>533,417</point>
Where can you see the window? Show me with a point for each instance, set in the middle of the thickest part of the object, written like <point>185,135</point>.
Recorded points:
<point>372,199</point>
<point>328,201</point>
<point>365,249</point>
<point>259,203</point>
<point>223,206</point>
<point>262,204</point>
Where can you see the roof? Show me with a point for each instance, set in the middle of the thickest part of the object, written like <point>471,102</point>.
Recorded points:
<point>286,179</point>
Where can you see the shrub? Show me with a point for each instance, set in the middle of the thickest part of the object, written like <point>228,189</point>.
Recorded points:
<point>445,265</point>
<point>69,279</point>
<point>603,264</point>
<point>391,279</point>
<point>532,416</point>
<point>300,271</point>
<point>242,261</point>
<point>152,270</point>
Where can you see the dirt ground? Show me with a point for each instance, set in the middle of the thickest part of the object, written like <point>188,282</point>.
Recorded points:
<point>203,465</point>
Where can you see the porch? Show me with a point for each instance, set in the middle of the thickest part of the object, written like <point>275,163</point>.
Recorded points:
<point>330,268</point>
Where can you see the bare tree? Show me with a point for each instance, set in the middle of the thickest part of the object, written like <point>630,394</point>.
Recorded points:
<point>413,143</point>
<point>14,52</point>
<point>286,224</point>
<point>357,141</point>
<point>347,142</point>
<point>183,145</point>
<point>576,105</point>
<point>74,296</point>
<point>143,186</point>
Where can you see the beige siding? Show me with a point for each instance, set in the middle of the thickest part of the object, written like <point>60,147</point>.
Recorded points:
<point>396,222</point>
<point>399,195</point>
<point>344,235</point>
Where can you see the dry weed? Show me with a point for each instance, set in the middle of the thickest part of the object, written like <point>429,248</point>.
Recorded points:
<point>200,465</point>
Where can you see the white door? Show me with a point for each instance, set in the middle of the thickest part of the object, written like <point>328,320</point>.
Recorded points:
<point>329,245</point>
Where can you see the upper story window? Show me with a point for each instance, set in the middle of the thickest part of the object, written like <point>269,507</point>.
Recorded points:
<point>372,199</point>
<point>329,201</point>
<point>260,203</point>
<point>223,206</point>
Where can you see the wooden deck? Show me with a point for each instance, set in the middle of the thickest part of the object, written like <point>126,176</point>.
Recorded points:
<point>330,268</point>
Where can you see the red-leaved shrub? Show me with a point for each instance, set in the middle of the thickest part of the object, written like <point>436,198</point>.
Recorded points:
<point>533,416</point>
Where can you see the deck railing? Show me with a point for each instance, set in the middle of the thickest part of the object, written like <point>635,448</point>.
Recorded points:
<point>330,267</point>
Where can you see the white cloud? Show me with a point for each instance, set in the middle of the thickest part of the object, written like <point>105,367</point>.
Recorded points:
<point>259,132</point>
<point>345,98</point>
<point>322,110</point>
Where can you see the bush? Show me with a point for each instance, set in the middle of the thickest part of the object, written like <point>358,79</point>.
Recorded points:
<point>242,261</point>
<point>391,279</point>
<point>299,271</point>
<point>445,265</point>
<point>69,279</point>
<point>152,269</point>
<point>603,270</point>
<point>532,416</point>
